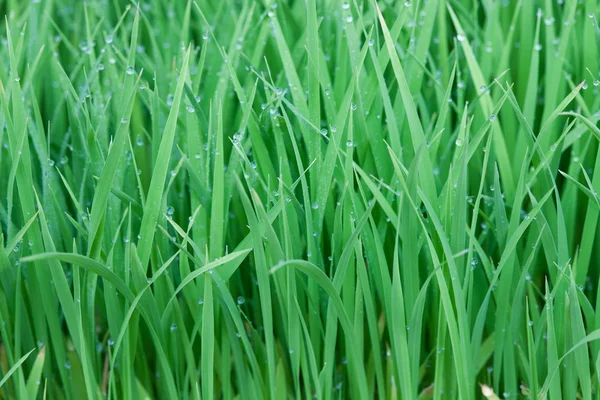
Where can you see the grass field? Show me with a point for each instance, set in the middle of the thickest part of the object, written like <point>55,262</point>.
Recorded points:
<point>305,199</point>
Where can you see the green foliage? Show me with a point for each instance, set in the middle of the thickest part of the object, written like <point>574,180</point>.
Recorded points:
<point>310,199</point>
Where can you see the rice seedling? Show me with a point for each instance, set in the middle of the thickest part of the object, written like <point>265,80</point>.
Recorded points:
<point>314,199</point>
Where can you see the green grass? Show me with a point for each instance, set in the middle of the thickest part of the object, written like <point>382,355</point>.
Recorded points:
<point>306,199</point>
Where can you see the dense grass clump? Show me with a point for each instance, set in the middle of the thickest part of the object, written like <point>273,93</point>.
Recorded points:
<point>299,199</point>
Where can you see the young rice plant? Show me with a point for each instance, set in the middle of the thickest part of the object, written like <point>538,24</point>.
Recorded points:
<point>276,199</point>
